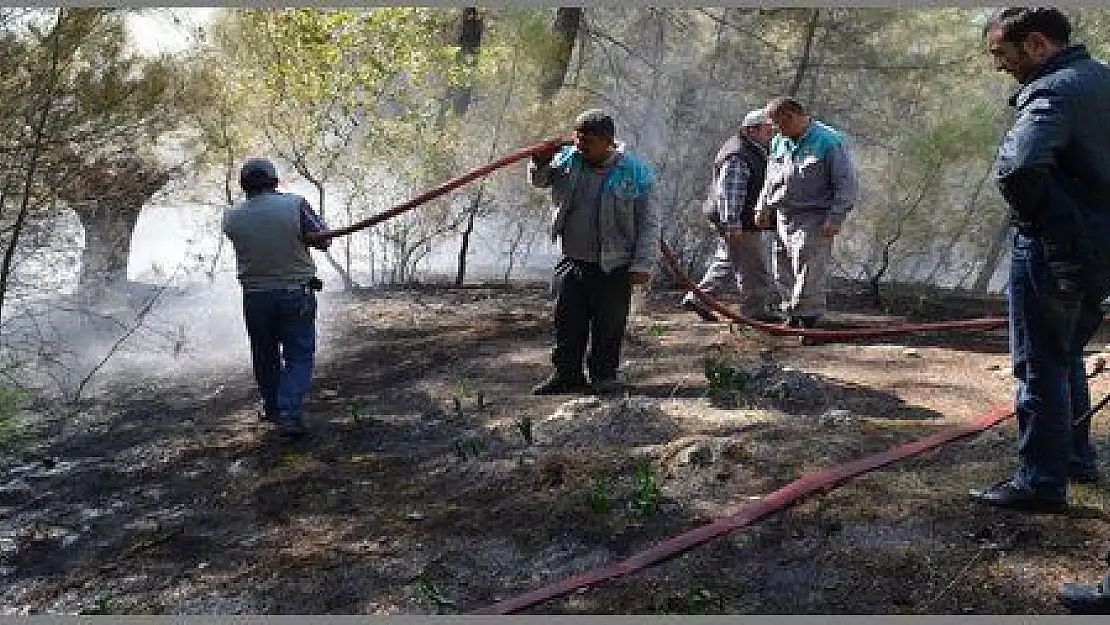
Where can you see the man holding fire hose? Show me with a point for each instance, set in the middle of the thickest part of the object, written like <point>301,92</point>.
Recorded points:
<point>271,233</point>
<point>608,227</point>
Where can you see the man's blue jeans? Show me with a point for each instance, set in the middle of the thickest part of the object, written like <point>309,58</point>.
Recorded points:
<point>281,325</point>
<point>1047,337</point>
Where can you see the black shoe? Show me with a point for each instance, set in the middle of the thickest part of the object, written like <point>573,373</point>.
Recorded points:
<point>1013,497</point>
<point>1084,476</point>
<point>290,425</point>
<point>607,386</point>
<point>1080,599</point>
<point>558,384</point>
<point>805,322</point>
<point>699,310</point>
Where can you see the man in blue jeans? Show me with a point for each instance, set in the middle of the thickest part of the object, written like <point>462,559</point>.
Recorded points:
<point>271,232</point>
<point>1053,168</point>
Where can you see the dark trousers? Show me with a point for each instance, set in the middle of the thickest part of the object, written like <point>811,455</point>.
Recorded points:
<point>591,306</point>
<point>1047,337</point>
<point>281,325</point>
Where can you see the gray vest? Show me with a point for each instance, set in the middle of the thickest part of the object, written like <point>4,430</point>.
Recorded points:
<point>265,231</point>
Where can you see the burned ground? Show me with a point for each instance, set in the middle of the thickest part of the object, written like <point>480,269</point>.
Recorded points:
<point>434,483</point>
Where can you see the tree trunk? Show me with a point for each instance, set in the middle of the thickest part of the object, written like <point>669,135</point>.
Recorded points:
<point>994,257</point>
<point>108,231</point>
<point>567,22</point>
<point>464,243</point>
<point>470,43</point>
<point>476,199</point>
<point>344,273</point>
<point>807,51</point>
<point>108,194</point>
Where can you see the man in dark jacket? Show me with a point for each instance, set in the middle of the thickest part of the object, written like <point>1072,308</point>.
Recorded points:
<point>1053,169</point>
<point>738,172</point>
<point>271,233</point>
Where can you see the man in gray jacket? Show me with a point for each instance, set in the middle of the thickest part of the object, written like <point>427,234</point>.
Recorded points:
<point>608,228</point>
<point>1053,169</point>
<point>810,187</point>
<point>738,173</point>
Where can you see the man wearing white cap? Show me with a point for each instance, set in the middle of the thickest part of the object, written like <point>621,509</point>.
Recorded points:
<point>738,172</point>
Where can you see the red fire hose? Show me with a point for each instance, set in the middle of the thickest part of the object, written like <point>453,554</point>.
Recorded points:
<point>815,335</point>
<point>452,184</point>
<point>778,500</point>
<point>818,335</point>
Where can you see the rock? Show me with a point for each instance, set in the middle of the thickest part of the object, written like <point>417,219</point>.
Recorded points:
<point>699,455</point>
<point>238,467</point>
<point>911,353</point>
<point>836,416</point>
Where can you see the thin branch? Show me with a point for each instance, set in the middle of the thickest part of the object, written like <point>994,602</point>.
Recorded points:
<point>620,44</point>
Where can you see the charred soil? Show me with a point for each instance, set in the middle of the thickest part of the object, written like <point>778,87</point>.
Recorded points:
<point>433,482</point>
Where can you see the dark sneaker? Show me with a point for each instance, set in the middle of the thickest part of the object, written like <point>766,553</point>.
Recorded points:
<point>805,322</point>
<point>764,316</point>
<point>1080,599</point>
<point>290,425</point>
<point>699,309</point>
<point>1084,476</point>
<point>1010,496</point>
<point>559,384</point>
<point>607,386</point>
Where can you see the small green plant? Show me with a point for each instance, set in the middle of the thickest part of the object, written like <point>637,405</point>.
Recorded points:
<point>601,496</point>
<point>657,329</point>
<point>433,593</point>
<point>357,411</point>
<point>12,401</point>
<point>462,392</point>
<point>646,495</point>
<point>470,446</point>
<point>728,383</point>
<point>524,426</point>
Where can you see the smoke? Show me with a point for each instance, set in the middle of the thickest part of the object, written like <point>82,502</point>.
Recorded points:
<point>179,316</point>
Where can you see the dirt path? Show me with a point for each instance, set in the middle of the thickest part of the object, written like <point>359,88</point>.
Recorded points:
<point>434,483</point>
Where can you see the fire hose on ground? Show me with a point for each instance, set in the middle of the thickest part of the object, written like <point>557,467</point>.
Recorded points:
<point>822,480</point>
<point>789,494</point>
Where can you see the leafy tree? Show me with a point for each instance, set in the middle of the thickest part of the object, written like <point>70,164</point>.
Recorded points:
<point>78,104</point>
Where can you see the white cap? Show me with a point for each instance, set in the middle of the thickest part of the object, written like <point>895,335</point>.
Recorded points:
<point>758,117</point>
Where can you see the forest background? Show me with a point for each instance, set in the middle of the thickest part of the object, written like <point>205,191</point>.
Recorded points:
<point>117,157</point>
